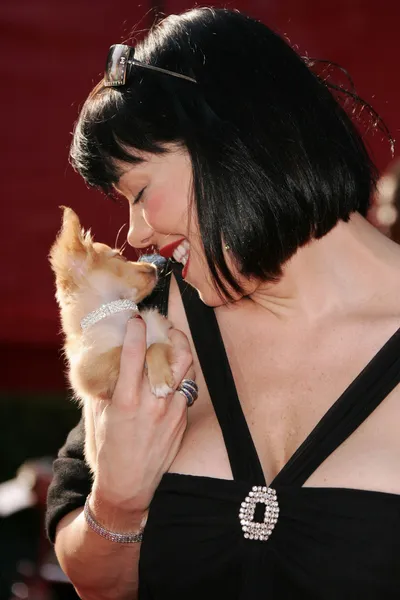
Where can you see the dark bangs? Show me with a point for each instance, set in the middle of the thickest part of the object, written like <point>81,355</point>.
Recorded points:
<point>115,123</point>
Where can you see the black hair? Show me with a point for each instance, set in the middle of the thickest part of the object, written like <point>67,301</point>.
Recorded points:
<point>276,159</point>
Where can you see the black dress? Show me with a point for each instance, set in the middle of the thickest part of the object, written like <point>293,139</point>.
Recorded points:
<point>328,543</point>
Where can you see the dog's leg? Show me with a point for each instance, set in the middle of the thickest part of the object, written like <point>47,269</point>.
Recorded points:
<point>95,375</point>
<point>159,353</point>
<point>159,373</point>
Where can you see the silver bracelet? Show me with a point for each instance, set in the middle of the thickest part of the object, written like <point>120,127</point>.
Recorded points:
<point>112,536</point>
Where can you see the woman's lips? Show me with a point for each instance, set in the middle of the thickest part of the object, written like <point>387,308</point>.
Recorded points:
<point>168,250</point>
<point>185,268</point>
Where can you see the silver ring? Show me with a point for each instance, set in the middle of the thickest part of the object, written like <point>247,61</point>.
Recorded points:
<point>190,390</point>
<point>190,385</point>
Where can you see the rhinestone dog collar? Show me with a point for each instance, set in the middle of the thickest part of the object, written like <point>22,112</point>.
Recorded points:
<point>106,310</point>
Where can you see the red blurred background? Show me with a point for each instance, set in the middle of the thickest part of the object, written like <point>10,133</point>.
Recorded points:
<point>52,53</point>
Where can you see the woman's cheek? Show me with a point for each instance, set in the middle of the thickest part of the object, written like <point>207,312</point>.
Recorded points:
<point>162,215</point>
<point>152,211</point>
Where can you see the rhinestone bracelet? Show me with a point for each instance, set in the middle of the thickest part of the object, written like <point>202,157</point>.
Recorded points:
<point>112,536</point>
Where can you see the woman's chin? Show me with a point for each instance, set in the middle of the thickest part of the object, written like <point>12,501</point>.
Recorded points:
<point>206,291</point>
<point>209,297</point>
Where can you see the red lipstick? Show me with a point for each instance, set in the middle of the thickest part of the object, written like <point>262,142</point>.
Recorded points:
<point>168,250</point>
<point>185,269</point>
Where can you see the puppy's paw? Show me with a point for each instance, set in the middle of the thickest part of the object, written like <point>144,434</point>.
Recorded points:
<point>161,379</point>
<point>161,390</point>
<point>159,370</point>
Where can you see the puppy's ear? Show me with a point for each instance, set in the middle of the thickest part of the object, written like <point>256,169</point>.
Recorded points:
<point>72,254</point>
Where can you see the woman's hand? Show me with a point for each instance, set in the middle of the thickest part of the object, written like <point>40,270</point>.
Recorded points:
<point>137,434</point>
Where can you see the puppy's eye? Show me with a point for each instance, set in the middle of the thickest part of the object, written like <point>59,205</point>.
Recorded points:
<point>118,254</point>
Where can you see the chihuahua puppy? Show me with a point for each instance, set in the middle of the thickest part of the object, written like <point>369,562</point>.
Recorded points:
<point>97,290</point>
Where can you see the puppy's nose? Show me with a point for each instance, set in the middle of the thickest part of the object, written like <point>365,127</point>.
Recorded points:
<point>148,268</point>
<point>155,259</point>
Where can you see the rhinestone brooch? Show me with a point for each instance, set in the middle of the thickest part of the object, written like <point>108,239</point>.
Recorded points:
<point>254,530</point>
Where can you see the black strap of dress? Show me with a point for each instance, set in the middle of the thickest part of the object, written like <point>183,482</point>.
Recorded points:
<point>358,401</point>
<point>365,393</point>
<point>214,363</point>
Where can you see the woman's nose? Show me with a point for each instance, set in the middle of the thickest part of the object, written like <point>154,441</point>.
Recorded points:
<point>139,234</point>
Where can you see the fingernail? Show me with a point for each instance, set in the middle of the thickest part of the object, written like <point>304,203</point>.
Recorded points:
<point>137,316</point>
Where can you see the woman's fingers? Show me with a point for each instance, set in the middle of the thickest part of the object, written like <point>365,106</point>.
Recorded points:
<point>190,374</point>
<point>182,367</point>
<point>130,381</point>
<point>133,356</point>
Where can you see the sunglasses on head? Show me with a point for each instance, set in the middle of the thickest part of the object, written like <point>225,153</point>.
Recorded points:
<point>119,62</point>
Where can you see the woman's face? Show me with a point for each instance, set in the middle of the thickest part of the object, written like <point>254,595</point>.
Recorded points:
<point>159,192</point>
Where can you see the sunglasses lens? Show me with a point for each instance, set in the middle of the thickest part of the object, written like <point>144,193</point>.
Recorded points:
<point>117,64</point>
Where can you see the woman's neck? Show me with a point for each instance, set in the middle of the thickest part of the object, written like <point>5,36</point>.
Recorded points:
<point>351,265</point>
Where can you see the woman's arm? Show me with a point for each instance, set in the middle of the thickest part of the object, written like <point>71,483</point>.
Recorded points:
<point>79,549</point>
<point>137,438</point>
<point>99,569</point>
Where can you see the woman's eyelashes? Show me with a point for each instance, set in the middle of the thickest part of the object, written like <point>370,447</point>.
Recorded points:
<point>138,197</point>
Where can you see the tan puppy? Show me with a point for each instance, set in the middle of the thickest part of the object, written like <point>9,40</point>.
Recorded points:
<point>90,275</point>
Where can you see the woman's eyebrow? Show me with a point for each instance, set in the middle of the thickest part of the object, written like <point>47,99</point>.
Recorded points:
<point>136,172</point>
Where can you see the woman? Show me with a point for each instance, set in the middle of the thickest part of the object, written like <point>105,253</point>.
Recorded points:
<point>251,173</point>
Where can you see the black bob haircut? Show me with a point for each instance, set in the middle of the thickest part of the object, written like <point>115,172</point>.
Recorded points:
<point>276,160</point>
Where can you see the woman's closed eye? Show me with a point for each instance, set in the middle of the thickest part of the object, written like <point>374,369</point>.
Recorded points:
<point>138,197</point>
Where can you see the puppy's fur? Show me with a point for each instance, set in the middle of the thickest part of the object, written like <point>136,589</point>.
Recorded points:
<point>89,274</point>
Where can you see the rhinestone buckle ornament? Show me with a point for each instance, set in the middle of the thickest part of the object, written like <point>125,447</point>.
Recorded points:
<point>254,530</point>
